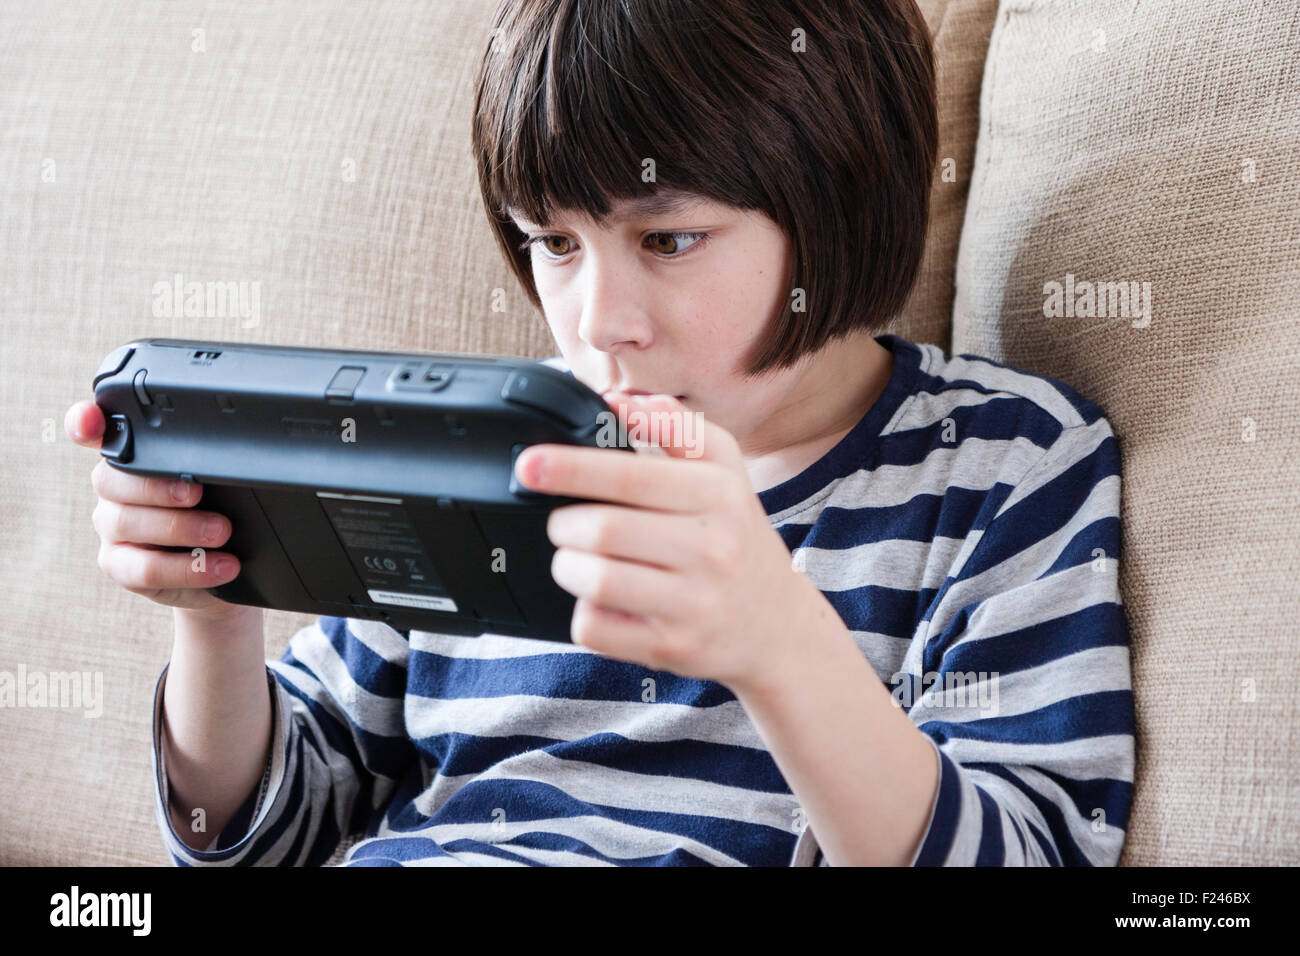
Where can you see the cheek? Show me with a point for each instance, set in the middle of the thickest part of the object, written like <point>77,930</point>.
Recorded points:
<point>561,314</point>
<point>729,318</point>
<point>545,283</point>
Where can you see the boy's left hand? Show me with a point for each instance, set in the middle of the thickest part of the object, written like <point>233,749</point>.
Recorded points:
<point>677,567</point>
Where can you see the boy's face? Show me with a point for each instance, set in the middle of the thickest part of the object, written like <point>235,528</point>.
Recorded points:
<point>638,306</point>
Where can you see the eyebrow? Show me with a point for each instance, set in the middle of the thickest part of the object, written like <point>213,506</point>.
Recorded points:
<point>643,207</point>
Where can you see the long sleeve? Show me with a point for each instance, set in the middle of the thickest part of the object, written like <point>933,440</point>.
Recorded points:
<point>1022,683</point>
<point>338,749</point>
<point>1036,762</point>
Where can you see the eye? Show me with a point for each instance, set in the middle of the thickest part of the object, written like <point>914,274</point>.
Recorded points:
<point>543,239</point>
<point>700,239</point>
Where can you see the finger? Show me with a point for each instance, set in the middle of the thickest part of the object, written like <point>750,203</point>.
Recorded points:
<point>146,571</point>
<point>84,423</point>
<point>621,585</point>
<point>681,432</point>
<point>128,489</point>
<point>606,475</point>
<point>609,631</point>
<point>660,539</point>
<point>140,524</point>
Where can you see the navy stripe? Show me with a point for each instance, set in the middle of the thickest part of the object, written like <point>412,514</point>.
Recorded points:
<point>1079,717</point>
<point>460,754</point>
<point>1044,512</point>
<point>992,852</point>
<point>366,668</point>
<point>564,674</point>
<point>384,754</point>
<point>1099,625</point>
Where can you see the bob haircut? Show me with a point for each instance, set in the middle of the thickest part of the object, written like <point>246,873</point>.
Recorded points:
<point>819,113</point>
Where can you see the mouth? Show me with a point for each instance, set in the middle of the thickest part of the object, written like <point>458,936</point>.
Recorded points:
<point>637,391</point>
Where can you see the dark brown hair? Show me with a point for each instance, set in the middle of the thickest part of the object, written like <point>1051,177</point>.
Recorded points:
<point>835,143</point>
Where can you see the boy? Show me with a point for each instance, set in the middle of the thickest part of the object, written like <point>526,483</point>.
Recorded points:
<point>877,621</point>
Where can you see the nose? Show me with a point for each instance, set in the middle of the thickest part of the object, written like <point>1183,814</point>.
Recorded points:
<point>613,316</point>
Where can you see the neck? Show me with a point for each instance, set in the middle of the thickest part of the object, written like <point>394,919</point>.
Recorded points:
<point>829,395</point>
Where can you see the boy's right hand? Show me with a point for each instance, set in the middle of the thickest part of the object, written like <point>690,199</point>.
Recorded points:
<point>138,516</point>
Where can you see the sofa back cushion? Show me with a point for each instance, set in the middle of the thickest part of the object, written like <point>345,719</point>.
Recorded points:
<point>1148,151</point>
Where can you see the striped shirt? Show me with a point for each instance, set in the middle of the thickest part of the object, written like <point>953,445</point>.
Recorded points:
<point>966,530</point>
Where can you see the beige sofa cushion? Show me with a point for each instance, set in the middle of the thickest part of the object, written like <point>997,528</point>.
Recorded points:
<point>1159,143</point>
<point>321,152</point>
<point>960,31</point>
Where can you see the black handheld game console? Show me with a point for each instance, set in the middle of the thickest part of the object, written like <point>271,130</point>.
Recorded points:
<point>360,484</point>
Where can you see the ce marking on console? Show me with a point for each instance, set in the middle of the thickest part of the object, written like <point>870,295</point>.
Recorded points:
<point>376,563</point>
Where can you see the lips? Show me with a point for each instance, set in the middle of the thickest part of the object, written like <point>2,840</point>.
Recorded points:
<point>637,391</point>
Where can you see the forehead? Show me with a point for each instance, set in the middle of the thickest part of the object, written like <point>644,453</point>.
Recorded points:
<point>659,203</point>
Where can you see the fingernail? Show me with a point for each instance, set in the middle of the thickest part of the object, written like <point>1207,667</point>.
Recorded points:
<point>179,491</point>
<point>212,529</point>
<point>222,567</point>
<point>536,464</point>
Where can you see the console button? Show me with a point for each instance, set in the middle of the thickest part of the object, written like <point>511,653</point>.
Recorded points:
<point>516,489</point>
<point>116,443</point>
<point>525,387</point>
<point>140,393</point>
<point>344,383</point>
<point>438,376</point>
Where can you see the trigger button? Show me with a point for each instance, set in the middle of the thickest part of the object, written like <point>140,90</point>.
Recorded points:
<point>516,488</point>
<point>117,444</point>
<point>535,390</point>
<point>140,392</point>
